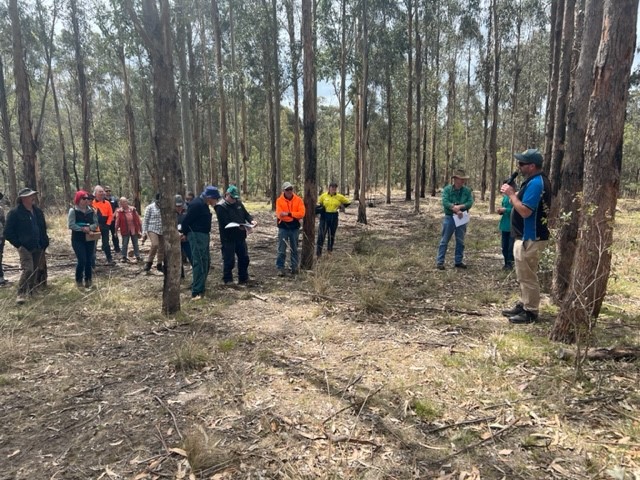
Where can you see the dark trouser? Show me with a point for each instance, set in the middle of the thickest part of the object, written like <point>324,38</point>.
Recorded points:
<point>1,255</point>
<point>84,253</point>
<point>114,237</point>
<point>106,248</point>
<point>185,247</point>
<point>328,224</point>
<point>231,249</point>
<point>31,263</point>
<point>201,260</point>
<point>507,248</point>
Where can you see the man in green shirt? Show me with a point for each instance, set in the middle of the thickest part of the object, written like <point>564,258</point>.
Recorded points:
<point>456,200</point>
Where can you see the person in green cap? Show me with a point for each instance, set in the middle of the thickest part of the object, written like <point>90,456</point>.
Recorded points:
<point>233,222</point>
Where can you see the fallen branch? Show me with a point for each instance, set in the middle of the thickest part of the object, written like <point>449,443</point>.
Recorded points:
<point>173,417</point>
<point>460,424</point>
<point>616,353</point>
<point>499,433</point>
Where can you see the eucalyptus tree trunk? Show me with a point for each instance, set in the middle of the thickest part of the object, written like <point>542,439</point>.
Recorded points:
<point>130,122</point>
<point>196,110</point>
<point>389,107</point>
<point>155,31</point>
<point>363,131</point>
<point>185,104</point>
<point>433,173</point>
<point>236,149</point>
<point>343,94</point>
<point>295,76</point>
<point>557,16</point>
<point>213,164</point>
<point>23,101</point>
<point>493,139</point>
<point>568,201</point>
<point>562,98</point>
<point>310,136</point>
<point>516,82</point>
<point>6,134</point>
<point>84,95</point>
<point>224,136</point>
<point>410,71</point>
<point>486,86</point>
<point>48,52</point>
<point>277,98</point>
<point>450,148</point>
<point>418,84</point>
<point>603,155</point>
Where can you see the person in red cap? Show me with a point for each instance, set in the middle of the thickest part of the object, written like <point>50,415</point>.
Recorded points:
<point>26,230</point>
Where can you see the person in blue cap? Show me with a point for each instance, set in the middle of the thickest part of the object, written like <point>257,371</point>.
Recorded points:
<point>196,225</point>
<point>233,221</point>
<point>530,230</point>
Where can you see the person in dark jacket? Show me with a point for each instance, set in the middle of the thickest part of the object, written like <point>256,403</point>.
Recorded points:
<point>2,221</point>
<point>26,230</point>
<point>113,200</point>
<point>196,224</point>
<point>233,221</point>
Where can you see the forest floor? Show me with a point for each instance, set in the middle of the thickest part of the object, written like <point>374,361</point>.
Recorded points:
<point>375,365</point>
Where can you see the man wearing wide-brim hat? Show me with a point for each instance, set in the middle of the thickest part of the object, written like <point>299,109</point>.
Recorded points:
<point>26,230</point>
<point>456,199</point>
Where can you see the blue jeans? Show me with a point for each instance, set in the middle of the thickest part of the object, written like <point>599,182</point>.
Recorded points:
<point>448,229</point>
<point>200,261</point>
<point>85,254</point>
<point>287,237</point>
<point>125,246</point>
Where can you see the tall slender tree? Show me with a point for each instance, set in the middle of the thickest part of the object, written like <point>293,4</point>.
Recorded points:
<point>155,31</point>
<point>28,143</point>
<point>310,135</point>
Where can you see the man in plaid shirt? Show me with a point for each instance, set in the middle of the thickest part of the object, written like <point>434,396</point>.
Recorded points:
<point>152,229</point>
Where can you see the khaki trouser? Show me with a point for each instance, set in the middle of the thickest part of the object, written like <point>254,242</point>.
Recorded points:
<point>157,245</point>
<point>33,270</point>
<point>527,256</point>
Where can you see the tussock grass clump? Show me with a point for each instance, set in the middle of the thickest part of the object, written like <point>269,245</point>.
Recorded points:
<point>227,345</point>
<point>204,451</point>
<point>426,409</point>
<point>377,299</point>
<point>190,356</point>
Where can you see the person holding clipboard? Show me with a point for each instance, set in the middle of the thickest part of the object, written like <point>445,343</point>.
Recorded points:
<point>457,199</point>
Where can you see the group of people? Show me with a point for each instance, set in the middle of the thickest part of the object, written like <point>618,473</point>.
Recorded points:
<point>524,228</point>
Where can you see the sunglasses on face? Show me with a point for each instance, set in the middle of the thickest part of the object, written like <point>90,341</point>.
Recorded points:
<point>522,164</point>
<point>288,189</point>
<point>84,198</point>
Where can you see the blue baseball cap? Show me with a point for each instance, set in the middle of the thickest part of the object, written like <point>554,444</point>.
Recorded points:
<point>211,191</point>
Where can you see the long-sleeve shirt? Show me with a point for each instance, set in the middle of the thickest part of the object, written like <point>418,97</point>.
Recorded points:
<point>461,196</point>
<point>152,219</point>
<point>77,219</point>
<point>104,211</point>
<point>294,206</point>
<point>232,212</point>
<point>332,203</point>
<point>197,218</point>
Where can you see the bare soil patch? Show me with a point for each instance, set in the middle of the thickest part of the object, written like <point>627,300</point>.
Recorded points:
<point>374,365</point>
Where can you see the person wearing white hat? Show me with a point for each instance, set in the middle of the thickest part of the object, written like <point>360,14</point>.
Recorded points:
<point>26,230</point>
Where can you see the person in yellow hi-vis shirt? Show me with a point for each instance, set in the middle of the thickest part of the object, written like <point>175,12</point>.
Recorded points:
<point>328,205</point>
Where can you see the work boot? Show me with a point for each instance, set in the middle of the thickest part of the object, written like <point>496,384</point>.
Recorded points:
<point>525,316</point>
<point>519,308</point>
<point>147,267</point>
